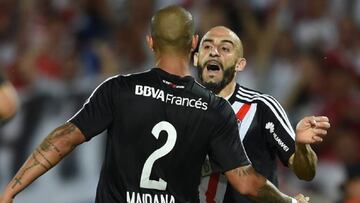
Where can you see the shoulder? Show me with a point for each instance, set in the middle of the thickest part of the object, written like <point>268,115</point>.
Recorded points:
<point>266,101</point>
<point>216,104</point>
<point>215,101</point>
<point>137,75</point>
<point>119,80</point>
<point>270,108</point>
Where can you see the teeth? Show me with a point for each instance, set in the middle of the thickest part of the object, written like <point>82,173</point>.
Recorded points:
<point>213,63</point>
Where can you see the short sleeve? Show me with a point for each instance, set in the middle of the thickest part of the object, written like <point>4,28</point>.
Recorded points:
<point>278,130</point>
<point>226,150</point>
<point>96,114</point>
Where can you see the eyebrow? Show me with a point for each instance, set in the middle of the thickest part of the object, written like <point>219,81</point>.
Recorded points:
<point>222,41</point>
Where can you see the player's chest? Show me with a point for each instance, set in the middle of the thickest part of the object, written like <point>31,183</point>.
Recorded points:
<point>247,118</point>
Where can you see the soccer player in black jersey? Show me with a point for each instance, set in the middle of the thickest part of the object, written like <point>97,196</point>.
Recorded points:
<point>160,126</point>
<point>8,100</point>
<point>263,125</point>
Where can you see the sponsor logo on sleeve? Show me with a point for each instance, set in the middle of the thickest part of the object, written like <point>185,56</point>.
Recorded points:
<point>271,127</point>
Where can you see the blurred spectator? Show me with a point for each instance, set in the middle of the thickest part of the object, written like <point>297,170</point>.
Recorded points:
<point>314,26</point>
<point>351,187</point>
<point>8,100</point>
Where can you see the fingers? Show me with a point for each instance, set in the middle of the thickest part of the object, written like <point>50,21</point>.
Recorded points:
<point>324,125</point>
<point>317,121</point>
<point>301,198</point>
<point>321,121</point>
<point>319,132</point>
<point>321,118</point>
<point>317,138</point>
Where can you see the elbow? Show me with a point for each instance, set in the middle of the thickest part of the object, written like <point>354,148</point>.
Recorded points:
<point>64,144</point>
<point>305,168</point>
<point>306,176</point>
<point>250,191</point>
<point>65,138</point>
<point>248,184</point>
<point>246,189</point>
<point>305,173</point>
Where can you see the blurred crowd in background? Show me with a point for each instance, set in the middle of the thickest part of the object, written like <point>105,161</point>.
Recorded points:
<point>304,53</point>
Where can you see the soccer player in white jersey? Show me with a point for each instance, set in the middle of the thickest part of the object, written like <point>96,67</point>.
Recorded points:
<point>263,124</point>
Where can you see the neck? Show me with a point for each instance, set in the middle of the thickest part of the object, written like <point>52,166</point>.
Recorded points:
<point>228,90</point>
<point>173,64</point>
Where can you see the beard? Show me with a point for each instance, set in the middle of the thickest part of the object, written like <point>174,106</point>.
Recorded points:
<point>216,87</point>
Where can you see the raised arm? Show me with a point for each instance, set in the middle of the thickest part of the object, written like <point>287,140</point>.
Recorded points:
<point>53,148</point>
<point>309,130</point>
<point>252,184</point>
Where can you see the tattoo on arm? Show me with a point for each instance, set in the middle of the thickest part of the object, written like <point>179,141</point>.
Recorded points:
<point>48,145</point>
<point>265,192</point>
<point>47,160</point>
<point>241,172</point>
<point>244,171</point>
<point>40,156</point>
<point>35,162</point>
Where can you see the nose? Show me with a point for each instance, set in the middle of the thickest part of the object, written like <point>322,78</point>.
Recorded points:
<point>214,52</point>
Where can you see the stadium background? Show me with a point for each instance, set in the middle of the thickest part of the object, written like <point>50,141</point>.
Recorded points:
<point>304,53</point>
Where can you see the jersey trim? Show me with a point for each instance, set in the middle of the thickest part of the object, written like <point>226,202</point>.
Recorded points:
<point>275,107</point>
<point>92,94</point>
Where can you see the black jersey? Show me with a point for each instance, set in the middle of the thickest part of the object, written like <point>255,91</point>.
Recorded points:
<point>160,128</point>
<point>266,134</point>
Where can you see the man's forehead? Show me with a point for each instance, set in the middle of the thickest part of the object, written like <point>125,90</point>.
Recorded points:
<point>221,35</point>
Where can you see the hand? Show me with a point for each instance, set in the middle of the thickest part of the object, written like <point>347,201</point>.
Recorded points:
<point>302,199</point>
<point>312,129</point>
<point>4,199</point>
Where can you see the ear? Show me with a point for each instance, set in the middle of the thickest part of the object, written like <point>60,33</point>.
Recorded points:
<point>240,64</point>
<point>194,42</point>
<point>150,42</point>
<point>196,59</point>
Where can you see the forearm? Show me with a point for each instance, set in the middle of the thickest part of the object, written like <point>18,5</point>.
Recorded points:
<point>250,183</point>
<point>53,148</point>
<point>304,162</point>
<point>268,193</point>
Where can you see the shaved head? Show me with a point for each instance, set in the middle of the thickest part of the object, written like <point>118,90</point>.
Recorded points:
<point>172,29</point>
<point>219,58</point>
<point>222,31</point>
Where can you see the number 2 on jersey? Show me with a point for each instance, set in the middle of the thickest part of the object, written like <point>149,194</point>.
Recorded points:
<point>160,184</point>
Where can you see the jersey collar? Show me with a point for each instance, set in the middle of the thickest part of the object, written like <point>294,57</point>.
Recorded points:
<point>233,96</point>
<point>174,81</point>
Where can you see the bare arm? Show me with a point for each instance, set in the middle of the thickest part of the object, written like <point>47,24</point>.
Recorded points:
<point>250,183</point>
<point>303,162</point>
<point>309,130</point>
<point>53,148</point>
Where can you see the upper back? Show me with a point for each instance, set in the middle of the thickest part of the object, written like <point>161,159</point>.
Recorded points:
<point>159,126</point>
